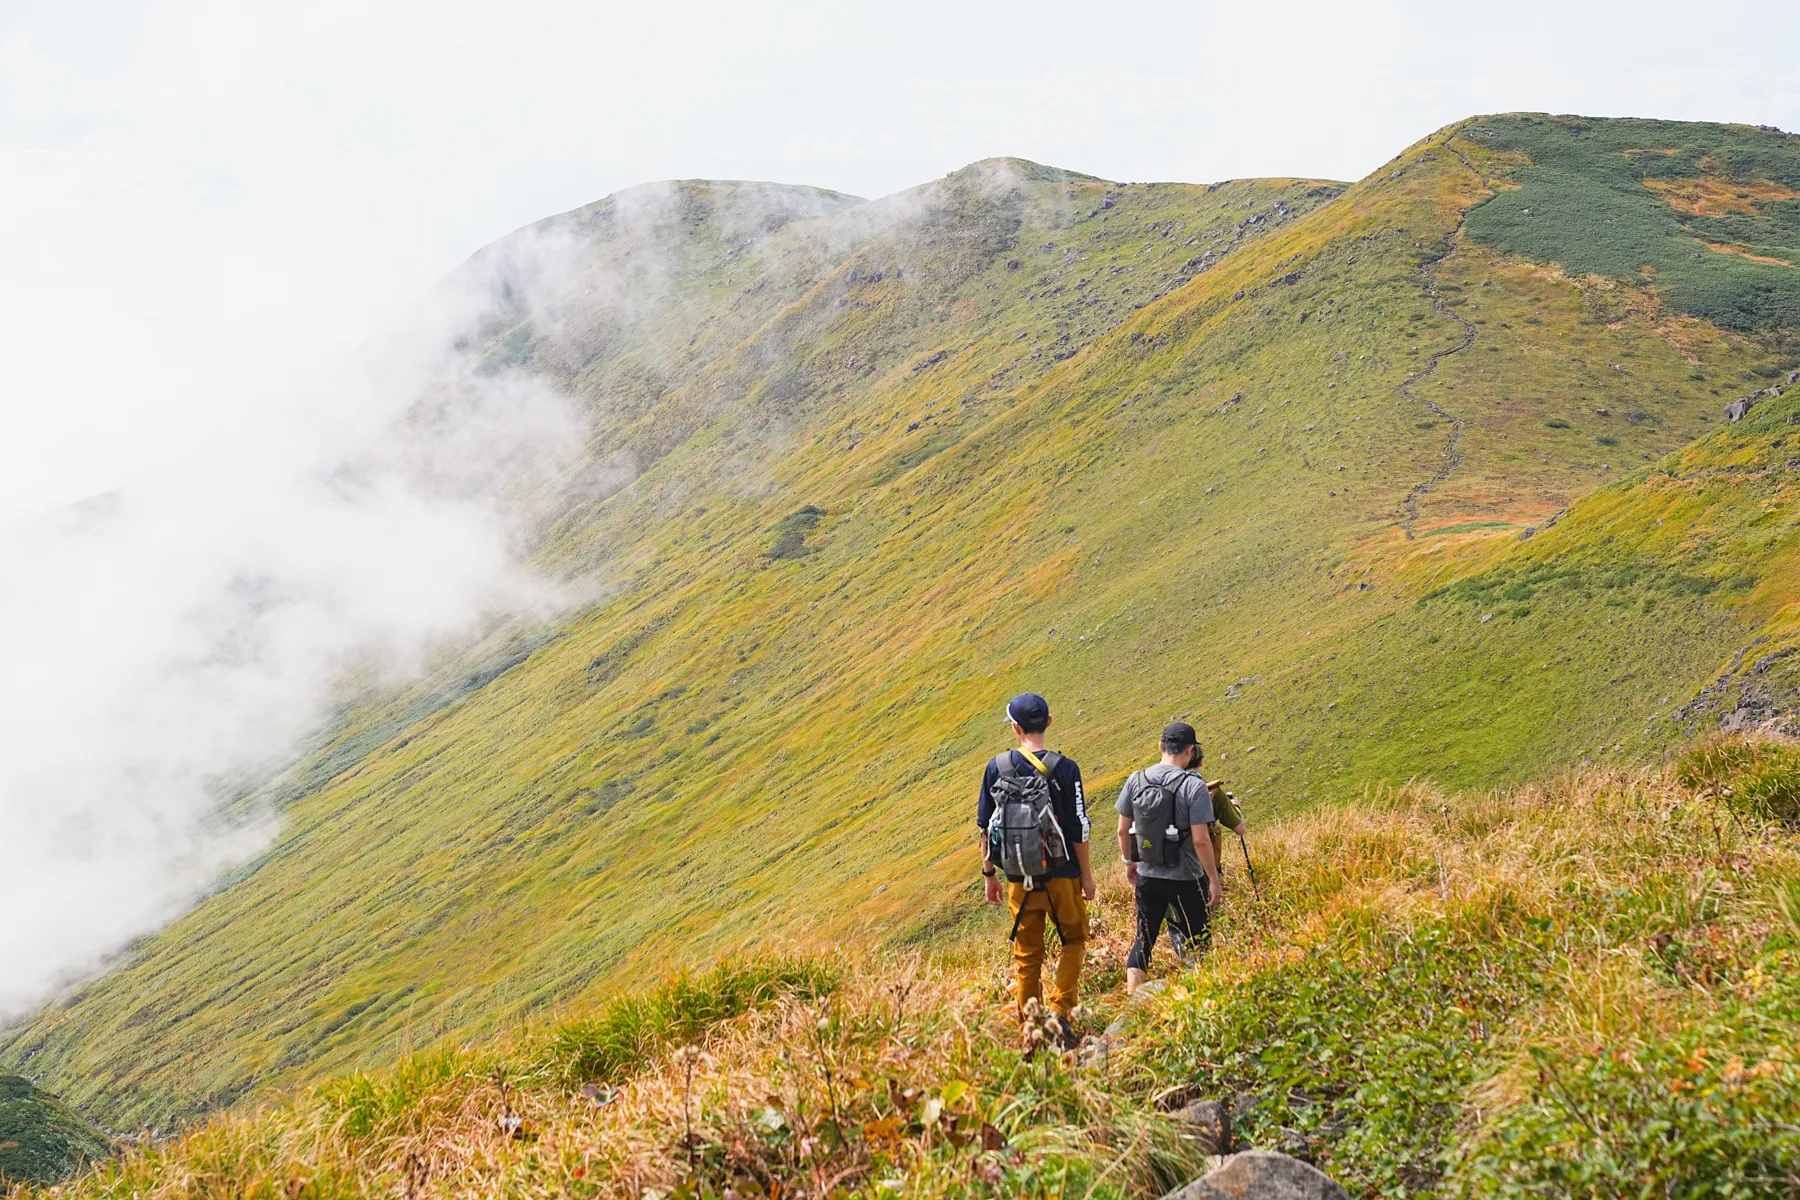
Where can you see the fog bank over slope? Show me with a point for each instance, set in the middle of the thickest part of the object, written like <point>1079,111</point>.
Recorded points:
<point>172,643</point>
<point>175,643</point>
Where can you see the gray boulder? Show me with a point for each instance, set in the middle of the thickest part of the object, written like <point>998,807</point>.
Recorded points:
<point>1210,1123</point>
<point>1737,410</point>
<point>1261,1175</point>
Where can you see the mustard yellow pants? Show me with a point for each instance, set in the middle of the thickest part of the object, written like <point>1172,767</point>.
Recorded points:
<point>1059,903</point>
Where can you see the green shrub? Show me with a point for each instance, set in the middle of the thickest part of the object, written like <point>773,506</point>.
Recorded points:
<point>1711,1111</point>
<point>790,533</point>
<point>1757,774</point>
<point>42,1140</point>
<point>790,543</point>
<point>1364,1046</point>
<point>1558,423</point>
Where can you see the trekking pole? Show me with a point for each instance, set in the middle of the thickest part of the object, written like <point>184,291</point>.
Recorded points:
<point>1246,848</point>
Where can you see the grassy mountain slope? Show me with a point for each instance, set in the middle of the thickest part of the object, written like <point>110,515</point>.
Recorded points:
<point>42,1140</point>
<point>1585,988</point>
<point>1261,453</point>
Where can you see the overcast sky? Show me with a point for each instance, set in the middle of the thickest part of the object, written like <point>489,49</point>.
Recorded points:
<point>198,193</point>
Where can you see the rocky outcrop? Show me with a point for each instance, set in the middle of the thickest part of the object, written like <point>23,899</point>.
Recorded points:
<point>1210,1122</point>
<point>1261,1175</point>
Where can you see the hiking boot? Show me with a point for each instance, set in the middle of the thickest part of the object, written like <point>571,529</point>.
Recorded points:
<point>1060,1032</point>
<point>1187,949</point>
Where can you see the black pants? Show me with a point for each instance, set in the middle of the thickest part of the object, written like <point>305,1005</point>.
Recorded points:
<point>1181,902</point>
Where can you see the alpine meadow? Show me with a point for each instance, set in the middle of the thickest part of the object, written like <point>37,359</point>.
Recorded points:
<point>1417,496</point>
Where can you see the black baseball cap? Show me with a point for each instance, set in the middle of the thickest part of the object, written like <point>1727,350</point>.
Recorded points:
<point>1027,709</point>
<point>1179,735</point>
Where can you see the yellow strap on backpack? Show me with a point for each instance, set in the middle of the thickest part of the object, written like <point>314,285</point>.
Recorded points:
<point>1035,761</point>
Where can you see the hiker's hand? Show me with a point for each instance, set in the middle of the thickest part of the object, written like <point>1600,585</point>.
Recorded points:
<point>1089,888</point>
<point>1131,875</point>
<point>1215,891</point>
<point>995,893</point>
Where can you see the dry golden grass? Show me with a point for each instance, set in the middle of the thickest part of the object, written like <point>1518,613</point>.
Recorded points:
<point>1609,912</point>
<point>1741,252</point>
<point>1711,196</point>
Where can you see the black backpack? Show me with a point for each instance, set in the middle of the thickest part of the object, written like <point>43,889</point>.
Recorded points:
<point>1158,827</point>
<point>1024,840</point>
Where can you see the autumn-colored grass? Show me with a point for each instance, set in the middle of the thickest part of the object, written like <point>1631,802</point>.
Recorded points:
<point>1711,196</point>
<point>1584,987</point>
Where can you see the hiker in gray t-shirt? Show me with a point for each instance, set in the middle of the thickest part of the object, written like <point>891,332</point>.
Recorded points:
<point>1164,811</point>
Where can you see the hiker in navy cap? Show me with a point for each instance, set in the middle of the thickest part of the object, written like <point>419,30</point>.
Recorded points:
<point>1035,833</point>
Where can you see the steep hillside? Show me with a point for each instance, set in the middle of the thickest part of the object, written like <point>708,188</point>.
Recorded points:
<point>1361,479</point>
<point>1580,989</point>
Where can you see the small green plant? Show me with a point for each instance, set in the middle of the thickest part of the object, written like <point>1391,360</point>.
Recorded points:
<point>1557,423</point>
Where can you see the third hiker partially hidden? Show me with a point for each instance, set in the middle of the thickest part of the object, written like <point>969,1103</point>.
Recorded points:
<point>1164,811</point>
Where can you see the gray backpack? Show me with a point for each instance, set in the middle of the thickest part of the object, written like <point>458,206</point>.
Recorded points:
<point>1157,829</point>
<point>1024,840</point>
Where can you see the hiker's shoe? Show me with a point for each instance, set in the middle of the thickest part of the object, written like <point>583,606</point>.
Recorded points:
<point>1033,1027</point>
<point>1060,1032</point>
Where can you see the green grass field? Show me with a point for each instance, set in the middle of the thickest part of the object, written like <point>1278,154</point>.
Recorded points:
<point>1263,454</point>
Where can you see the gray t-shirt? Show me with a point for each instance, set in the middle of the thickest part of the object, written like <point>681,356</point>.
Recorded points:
<point>1193,804</point>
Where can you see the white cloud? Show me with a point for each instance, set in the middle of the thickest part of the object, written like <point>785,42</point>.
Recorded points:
<point>169,638</point>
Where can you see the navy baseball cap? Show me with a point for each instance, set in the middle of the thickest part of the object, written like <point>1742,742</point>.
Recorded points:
<point>1027,709</point>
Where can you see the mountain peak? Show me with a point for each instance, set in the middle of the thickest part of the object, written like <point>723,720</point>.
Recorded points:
<point>1024,168</point>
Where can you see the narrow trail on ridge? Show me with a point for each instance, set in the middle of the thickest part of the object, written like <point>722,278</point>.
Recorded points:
<point>1451,454</point>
